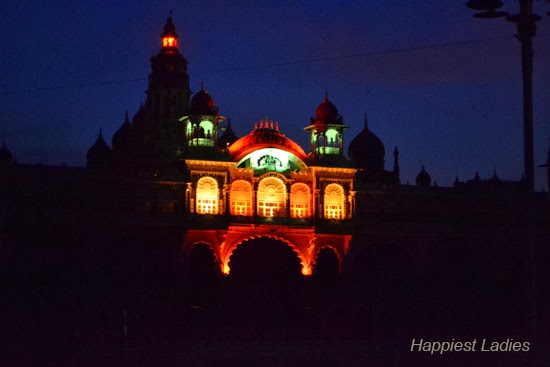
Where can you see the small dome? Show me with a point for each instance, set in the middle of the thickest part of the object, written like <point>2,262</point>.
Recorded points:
<point>99,153</point>
<point>6,158</point>
<point>202,103</point>
<point>367,151</point>
<point>326,112</point>
<point>423,179</point>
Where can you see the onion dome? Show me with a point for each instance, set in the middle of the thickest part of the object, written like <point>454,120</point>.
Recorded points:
<point>6,158</point>
<point>202,103</point>
<point>99,154</point>
<point>267,135</point>
<point>327,113</point>
<point>122,135</point>
<point>228,137</point>
<point>423,179</point>
<point>366,151</point>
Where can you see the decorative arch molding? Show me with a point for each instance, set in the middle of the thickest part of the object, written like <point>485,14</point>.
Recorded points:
<point>304,259</point>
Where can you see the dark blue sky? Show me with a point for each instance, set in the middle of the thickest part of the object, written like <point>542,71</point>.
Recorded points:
<point>68,68</point>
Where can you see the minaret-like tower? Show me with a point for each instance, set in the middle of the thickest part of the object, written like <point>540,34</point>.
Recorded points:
<point>168,96</point>
<point>168,92</point>
<point>326,131</point>
<point>396,164</point>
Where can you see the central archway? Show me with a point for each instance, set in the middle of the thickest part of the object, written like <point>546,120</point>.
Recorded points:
<point>265,274</point>
<point>265,258</point>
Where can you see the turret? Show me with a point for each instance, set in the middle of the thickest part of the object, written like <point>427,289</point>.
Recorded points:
<point>326,131</point>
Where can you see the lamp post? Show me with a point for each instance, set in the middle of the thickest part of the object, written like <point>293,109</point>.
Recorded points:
<point>526,23</point>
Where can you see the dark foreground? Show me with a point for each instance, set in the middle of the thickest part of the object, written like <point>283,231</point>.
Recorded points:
<point>102,320</point>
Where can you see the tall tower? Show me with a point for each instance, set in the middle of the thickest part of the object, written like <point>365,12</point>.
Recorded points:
<point>158,131</point>
<point>168,92</point>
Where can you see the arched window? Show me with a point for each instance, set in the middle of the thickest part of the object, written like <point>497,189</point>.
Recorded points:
<point>334,202</point>
<point>207,196</point>
<point>299,201</point>
<point>271,197</point>
<point>241,198</point>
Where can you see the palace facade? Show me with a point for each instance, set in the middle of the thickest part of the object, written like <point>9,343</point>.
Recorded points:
<point>177,176</point>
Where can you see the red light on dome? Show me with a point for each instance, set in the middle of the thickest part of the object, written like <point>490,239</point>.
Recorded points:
<point>169,42</point>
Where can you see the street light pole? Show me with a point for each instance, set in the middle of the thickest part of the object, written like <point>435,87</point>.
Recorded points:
<point>526,30</point>
<point>527,27</point>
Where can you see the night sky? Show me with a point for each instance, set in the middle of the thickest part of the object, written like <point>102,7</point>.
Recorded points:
<point>441,85</point>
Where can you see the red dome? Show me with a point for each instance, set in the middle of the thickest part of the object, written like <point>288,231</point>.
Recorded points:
<point>326,112</point>
<point>202,103</point>
<point>264,138</point>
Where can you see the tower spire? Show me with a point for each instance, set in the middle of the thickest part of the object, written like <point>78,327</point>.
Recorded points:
<point>169,36</point>
<point>396,163</point>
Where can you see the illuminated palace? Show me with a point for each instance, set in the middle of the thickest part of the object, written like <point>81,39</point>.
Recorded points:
<point>261,185</point>
<point>320,243</point>
<point>266,188</point>
<point>177,179</point>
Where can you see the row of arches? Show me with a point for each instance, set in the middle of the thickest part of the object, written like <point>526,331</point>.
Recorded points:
<point>263,257</point>
<point>272,199</point>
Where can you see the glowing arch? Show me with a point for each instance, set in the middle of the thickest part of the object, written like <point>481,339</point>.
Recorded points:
<point>271,197</point>
<point>306,268</point>
<point>334,202</point>
<point>207,196</point>
<point>300,199</point>
<point>240,198</point>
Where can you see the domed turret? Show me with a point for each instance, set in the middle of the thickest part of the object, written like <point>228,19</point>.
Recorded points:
<point>327,113</point>
<point>202,103</point>
<point>6,158</point>
<point>366,151</point>
<point>326,131</point>
<point>423,179</point>
<point>99,154</point>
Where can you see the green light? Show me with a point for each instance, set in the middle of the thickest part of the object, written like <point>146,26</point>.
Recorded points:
<point>207,126</point>
<point>272,159</point>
